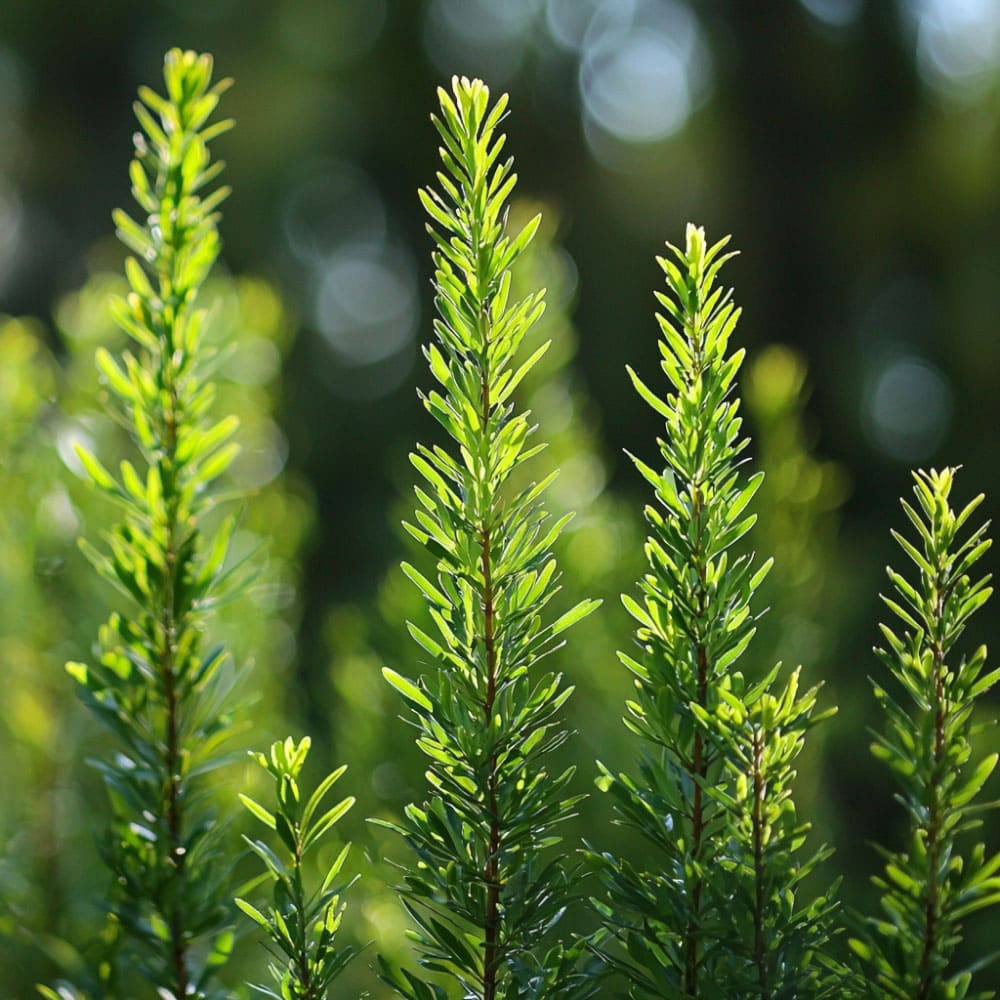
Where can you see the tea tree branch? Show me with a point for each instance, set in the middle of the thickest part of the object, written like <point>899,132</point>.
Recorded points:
<point>164,697</point>
<point>302,925</point>
<point>714,797</point>
<point>689,629</point>
<point>928,891</point>
<point>483,895</point>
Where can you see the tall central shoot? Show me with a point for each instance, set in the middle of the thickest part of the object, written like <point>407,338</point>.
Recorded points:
<point>483,895</point>
<point>697,601</point>
<point>152,682</point>
<point>719,917</point>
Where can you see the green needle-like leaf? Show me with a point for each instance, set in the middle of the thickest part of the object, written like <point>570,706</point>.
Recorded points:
<point>150,683</point>
<point>716,916</point>
<point>929,888</point>
<point>485,899</point>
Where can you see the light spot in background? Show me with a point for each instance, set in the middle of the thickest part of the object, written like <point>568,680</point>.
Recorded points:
<point>568,20</point>
<point>958,43</point>
<point>482,38</point>
<point>907,407</point>
<point>643,66</point>
<point>68,436</point>
<point>273,597</point>
<point>263,453</point>
<point>56,516</point>
<point>334,203</point>
<point>637,91</point>
<point>581,480</point>
<point>256,361</point>
<point>366,302</point>
<point>644,69</point>
<point>835,13</point>
<point>358,284</point>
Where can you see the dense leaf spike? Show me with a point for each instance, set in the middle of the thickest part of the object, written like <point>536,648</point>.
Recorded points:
<point>719,918</point>
<point>301,924</point>
<point>484,896</point>
<point>929,889</point>
<point>166,698</point>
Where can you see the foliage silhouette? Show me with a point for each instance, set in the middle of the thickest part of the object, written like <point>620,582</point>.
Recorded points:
<point>725,906</point>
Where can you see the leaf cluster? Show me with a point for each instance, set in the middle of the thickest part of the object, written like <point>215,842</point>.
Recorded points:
<point>929,890</point>
<point>484,893</point>
<point>167,699</point>
<point>719,917</point>
<point>302,925</point>
<point>718,908</point>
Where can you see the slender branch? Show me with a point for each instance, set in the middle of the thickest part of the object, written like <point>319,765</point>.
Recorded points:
<point>305,974</point>
<point>700,763</point>
<point>300,925</point>
<point>930,887</point>
<point>491,873</point>
<point>698,924</point>
<point>175,819</point>
<point>933,822</point>
<point>757,819</point>
<point>491,924</point>
<point>495,571</point>
<point>156,553</point>
<point>700,772</point>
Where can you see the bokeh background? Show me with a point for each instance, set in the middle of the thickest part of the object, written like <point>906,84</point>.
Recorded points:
<point>852,148</point>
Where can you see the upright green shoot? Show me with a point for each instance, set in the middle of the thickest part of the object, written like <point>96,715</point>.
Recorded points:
<point>166,699</point>
<point>486,890</point>
<point>718,917</point>
<point>941,879</point>
<point>301,923</point>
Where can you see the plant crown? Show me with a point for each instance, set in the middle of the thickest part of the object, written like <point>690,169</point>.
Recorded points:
<point>486,890</point>
<point>165,697</point>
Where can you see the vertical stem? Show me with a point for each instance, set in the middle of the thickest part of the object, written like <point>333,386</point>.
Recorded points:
<point>692,931</point>
<point>175,823</point>
<point>491,923</point>
<point>700,761</point>
<point>167,469</point>
<point>491,873</point>
<point>933,822</point>
<point>305,975</point>
<point>757,820</point>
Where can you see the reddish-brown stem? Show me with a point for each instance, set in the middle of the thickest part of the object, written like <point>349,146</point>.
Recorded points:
<point>699,772</point>
<point>757,820</point>
<point>926,981</point>
<point>302,960</point>
<point>171,761</point>
<point>491,873</point>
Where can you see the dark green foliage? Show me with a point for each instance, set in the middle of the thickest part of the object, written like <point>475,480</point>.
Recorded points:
<point>780,945</point>
<point>720,907</point>
<point>152,681</point>
<point>301,924</point>
<point>942,878</point>
<point>718,916</point>
<point>487,887</point>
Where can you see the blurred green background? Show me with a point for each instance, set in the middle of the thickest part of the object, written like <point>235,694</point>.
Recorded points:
<point>852,148</point>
